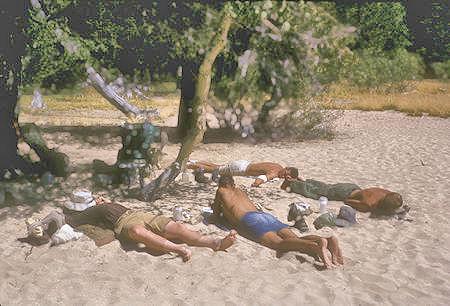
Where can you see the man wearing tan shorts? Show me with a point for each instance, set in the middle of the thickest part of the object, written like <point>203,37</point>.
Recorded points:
<point>155,231</point>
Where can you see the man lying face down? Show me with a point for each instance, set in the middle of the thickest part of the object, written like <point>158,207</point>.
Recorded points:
<point>264,228</point>
<point>376,200</point>
<point>263,172</point>
<point>155,231</point>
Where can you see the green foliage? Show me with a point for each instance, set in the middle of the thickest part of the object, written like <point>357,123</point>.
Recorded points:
<point>46,63</point>
<point>288,45</point>
<point>283,51</point>
<point>441,69</point>
<point>132,36</point>
<point>437,26</point>
<point>372,69</point>
<point>381,26</point>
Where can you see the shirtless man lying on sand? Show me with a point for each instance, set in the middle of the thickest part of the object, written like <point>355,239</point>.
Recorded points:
<point>151,230</point>
<point>265,228</point>
<point>263,172</point>
<point>376,200</point>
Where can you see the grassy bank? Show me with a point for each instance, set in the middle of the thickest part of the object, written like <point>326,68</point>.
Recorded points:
<point>86,106</point>
<point>431,97</point>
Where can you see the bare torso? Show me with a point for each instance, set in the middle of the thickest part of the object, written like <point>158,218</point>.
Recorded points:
<point>367,199</point>
<point>233,203</point>
<point>268,169</point>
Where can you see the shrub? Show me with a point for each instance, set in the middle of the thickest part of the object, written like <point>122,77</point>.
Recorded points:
<point>309,121</point>
<point>441,69</point>
<point>374,68</point>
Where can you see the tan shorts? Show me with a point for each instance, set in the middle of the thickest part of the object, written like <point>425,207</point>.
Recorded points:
<point>153,223</point>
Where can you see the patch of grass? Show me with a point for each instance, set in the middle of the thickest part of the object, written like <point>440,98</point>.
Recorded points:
<point>88,98</point>
<point>430,97</point>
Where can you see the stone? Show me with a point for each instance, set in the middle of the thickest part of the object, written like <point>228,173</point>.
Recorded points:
<point>212,121</point>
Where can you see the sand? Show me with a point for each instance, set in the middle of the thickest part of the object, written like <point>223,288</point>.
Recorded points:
<point>387,262</point>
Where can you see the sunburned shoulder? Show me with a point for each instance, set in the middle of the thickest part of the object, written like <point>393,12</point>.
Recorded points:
<point>375,190</point>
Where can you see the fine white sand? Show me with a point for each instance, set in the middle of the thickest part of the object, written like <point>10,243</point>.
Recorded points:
<point>387,262</point>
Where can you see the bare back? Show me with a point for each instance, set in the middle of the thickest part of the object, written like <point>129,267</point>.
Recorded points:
<point>233,202</point>
<point>269,169</point>
<point>367,199</point>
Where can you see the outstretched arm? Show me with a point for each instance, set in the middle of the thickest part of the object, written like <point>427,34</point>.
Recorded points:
<point>285,184</point>
<point>217,209</point>
<point>357,204</point>
<point>257,182</point>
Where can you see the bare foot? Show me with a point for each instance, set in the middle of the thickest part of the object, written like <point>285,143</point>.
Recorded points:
<point>225,243</point>
<point>319,249</point>
<point>322,252</point>
<point>335,250</point>
<point>186,254</point>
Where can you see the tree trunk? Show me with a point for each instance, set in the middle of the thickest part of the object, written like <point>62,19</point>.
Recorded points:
<point>197,128</point>
<point>120,103</point>
<point>267,107</point>
<point>188,83</point>
<point>12,48</point>
<point>9,159</point>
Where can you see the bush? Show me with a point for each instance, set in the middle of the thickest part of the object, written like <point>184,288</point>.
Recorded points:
<point>309,121</point>
<point>441,69</point>
<point>373,68</point>
<point>381,26</point>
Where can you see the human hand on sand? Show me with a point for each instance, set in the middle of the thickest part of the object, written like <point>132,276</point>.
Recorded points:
<point>102,200</point>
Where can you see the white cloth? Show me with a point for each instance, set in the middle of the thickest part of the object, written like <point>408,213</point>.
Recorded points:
<point>262,177</point>
<point>235,168</point>
<point>65,234</point>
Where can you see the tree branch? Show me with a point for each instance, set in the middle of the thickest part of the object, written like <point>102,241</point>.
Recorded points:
<point>153,191</point>
<point>96,80</point>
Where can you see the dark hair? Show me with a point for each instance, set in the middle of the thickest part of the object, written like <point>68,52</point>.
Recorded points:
<point>293,172</point>
<point>391,201</point>
<point>225,180</point>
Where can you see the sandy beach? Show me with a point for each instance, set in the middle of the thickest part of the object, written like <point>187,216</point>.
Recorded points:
<point>387,262</point>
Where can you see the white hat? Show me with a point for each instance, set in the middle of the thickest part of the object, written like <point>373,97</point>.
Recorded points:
<point>81,199</point>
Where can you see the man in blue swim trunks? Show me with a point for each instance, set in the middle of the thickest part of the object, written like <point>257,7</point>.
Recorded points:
<point>264,228</point>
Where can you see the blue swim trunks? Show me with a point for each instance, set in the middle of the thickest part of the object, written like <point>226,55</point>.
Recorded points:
<point>256,224</point>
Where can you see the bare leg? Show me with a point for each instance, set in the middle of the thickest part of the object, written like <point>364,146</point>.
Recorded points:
<point>335,250</point>
<point>207,167</point>
<point>333,247</point>
<point>175,230</point>
<point>153,241</point>
<point>286,240</point>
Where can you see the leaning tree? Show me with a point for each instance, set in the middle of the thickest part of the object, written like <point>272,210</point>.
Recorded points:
<point>73,44</point>
<point>12,48</point>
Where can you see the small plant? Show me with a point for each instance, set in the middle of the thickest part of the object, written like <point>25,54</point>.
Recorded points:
<point>441,69</point>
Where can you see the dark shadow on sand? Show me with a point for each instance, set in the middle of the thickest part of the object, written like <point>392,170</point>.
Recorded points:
<point>101,135</point>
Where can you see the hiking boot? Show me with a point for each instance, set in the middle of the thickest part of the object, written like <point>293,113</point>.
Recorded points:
<point>301,225</point>
<point>298,209</point>
<point>215,176</point>
<point>200,177</point>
